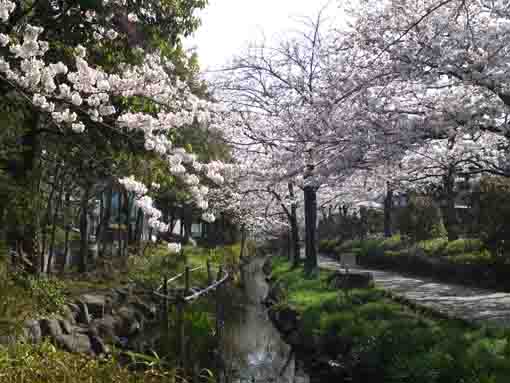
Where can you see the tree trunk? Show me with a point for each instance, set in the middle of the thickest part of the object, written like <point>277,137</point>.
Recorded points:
<point>450,213</point>
<point>26,174</point>
<point>119,222</point>
<point>294,227</point>
<point>67,227</point>
<point>388,209</point>
<point>139,231</point>
<point>54,227</point>
<point>47,215</point>
<point>84,232</point>
<point>310,197</point>
<point>187,219</point>
<point>105,221</point>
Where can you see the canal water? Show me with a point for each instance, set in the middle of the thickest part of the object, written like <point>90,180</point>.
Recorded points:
<point>251,347</point>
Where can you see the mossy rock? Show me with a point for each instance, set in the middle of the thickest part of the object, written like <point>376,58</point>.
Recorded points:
<point>351,280</point>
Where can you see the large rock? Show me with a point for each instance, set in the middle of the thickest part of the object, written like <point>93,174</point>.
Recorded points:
<point>7,340</point>
<point>98,346</point>
<point>285,319</point>
<point>32,331</point>
<point>70,313</point>
<point>83,314</point>
<point>351,280</point>
<point>78,343</point>
<point>95,304</point>
<point>148,310</point>
<point>267,267</point>
<point>50,327</point>
<point>66,326</point>
<point>275,295</point>
<point>129,322</point>
<point>105,328</point>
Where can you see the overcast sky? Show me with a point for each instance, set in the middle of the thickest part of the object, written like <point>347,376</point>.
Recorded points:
<point>229,25</point>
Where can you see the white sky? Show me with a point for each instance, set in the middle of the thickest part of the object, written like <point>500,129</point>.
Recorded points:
<point>229,25</point>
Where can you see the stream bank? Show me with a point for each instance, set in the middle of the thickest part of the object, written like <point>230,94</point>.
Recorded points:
<point>362,335</point>
<point>251,347</point>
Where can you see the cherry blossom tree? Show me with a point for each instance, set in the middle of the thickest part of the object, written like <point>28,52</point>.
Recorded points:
<point>68,94</point>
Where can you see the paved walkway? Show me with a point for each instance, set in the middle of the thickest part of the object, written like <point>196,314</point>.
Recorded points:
<point>472,304</point>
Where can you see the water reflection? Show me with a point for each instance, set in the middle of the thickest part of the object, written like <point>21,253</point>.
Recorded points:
<point>252,348</point>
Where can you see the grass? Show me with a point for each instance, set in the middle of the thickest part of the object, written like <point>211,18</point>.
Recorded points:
<point>43,363</point>
<point>24,298</point>
<point>464,250</point>
<point>374,338</point>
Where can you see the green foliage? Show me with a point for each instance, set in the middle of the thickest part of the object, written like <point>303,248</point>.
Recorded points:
<point>47,294</point>
<point>373,338</point>
<point>495,214</point>
<point>43,363</point>
<point>421,219</point>
<point>392,243</point>
<point>433,247</point>
<point>328,245</point>
<point>462,246</point>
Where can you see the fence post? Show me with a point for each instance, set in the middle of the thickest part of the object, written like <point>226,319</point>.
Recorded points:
<point>209,273</point>
<point>186,281</point>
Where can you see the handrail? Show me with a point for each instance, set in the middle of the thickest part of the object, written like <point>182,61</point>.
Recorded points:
<point>208,288</point>
<point>196,294</point>
<point>176,277</point>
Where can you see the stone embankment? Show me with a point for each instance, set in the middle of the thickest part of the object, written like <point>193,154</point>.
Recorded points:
<point>123,317</point>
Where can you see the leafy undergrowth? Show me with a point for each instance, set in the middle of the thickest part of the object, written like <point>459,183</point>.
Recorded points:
<point>45,364</point>
<point>460,251</point>
<point>372,338</point>
<point>150,268</point>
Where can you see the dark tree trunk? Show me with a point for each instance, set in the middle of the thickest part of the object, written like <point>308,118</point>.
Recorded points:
<point>450,212</point>
<point>54,226</point>
<point>100,217</point>
<point>187,217</point>
<point>310,202</point>
<point>139,231</point>
<point>119,222</point>
<point>46,219</point>
<point>127,211</point>
<point>67,227</point>
<point>26,174</point>
<point>105,221</point>
<point>84,229</point>
<point>388,209</point>
<point>294,227</point>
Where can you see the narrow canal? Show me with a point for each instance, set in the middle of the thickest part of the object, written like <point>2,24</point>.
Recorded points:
<point>250,345</point>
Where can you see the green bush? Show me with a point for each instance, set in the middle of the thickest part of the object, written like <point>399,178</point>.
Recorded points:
<point>393,243</point>
<point>495,214</point>
<point>374,339</point>
<point>43,363</point>
<point>433,247</point>
<point>421,219</point>
<point>328,245</point>
<point>462,246</point>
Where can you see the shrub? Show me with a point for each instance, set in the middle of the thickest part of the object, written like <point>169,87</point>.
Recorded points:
<point>393,243</point>
<point>421,219</point>
<point>462,246</point>
<point>434,247</point>
<point>495,214</point>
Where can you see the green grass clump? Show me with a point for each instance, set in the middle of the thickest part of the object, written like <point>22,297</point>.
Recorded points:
<point>394,242</point>
<point>462,246</point>
<point>375,338</point>
<point>433,247</point>
<point>45,364</point>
